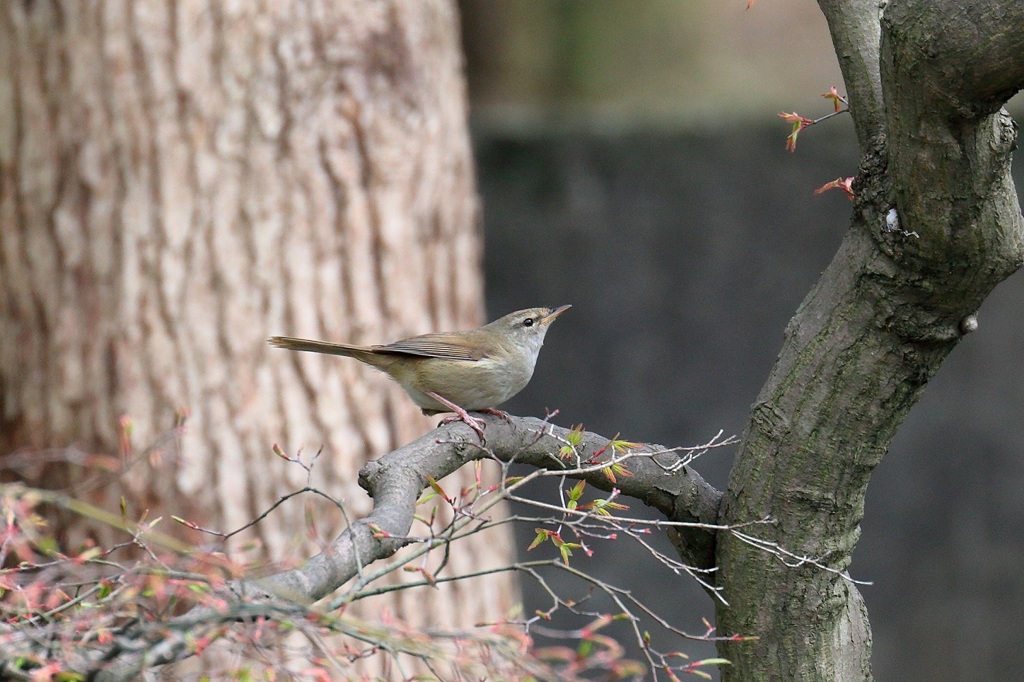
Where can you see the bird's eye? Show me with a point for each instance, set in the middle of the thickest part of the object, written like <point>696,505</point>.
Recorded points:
<point>528,322</point>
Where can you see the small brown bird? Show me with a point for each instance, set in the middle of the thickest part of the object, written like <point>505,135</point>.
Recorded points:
<point>476,369</point>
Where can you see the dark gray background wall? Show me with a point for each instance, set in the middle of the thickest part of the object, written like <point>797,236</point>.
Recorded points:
<point>684,256</point>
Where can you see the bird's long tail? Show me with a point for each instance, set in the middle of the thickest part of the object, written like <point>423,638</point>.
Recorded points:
<point>318,346</point>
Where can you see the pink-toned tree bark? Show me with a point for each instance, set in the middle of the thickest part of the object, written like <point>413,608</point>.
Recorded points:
<point>182,179</point>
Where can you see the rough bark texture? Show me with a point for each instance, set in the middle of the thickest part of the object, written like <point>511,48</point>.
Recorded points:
<point>183,179</point>
<point>877,326</point>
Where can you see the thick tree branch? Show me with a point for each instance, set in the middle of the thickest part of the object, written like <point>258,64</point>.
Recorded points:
<point>855,36</point>
<point>395,482</point>
<point>963,57</point>
<point>950,148</point>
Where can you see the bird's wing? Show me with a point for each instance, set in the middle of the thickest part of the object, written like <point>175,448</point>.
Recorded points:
<point>432,346</point>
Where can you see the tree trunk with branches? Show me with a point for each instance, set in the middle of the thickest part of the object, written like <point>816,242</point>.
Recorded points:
<point>936,226</point>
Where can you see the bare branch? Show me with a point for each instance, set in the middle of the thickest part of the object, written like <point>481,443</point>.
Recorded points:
<point>395,482</point>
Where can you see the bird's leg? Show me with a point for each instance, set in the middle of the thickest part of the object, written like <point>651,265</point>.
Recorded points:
<point>461,415</point>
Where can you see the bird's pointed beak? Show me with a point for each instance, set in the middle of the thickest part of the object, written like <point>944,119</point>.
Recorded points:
<point>550,317</point>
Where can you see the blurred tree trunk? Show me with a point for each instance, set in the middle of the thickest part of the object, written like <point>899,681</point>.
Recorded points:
<point>183,179</point>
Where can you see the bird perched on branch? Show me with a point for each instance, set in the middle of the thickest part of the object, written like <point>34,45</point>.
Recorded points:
<point>472,370</point>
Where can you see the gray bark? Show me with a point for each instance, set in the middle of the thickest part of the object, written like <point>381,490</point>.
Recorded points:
<point>936,147</point>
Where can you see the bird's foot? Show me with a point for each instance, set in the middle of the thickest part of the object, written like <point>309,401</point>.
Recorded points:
<point>500,414</point>
<point>460,415</point>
